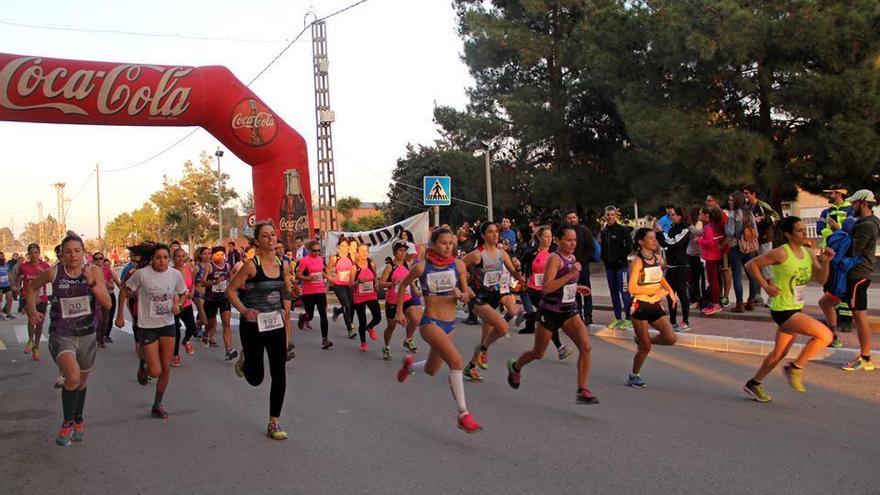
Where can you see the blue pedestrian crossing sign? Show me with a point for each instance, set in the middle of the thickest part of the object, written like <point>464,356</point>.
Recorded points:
<point>437,190</point>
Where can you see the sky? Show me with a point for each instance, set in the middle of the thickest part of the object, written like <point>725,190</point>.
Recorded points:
<point>391,61</point>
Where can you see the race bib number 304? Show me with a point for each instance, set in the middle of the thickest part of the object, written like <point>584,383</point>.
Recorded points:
<point>74,307</point>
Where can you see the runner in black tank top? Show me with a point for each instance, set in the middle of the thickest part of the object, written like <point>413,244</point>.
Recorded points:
<point>558,309</point>
<point>485,265</point>
<point>648,287</point>
<point>256,291</point>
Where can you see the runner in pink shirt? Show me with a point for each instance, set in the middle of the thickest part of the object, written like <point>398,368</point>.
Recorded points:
<point>310,272</point>
<point>27,273</point>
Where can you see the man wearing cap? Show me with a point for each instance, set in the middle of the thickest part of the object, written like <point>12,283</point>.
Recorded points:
<point>865,232</point>
<point>840,212</point>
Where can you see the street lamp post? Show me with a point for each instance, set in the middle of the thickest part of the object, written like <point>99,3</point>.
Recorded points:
<point>218,154</point>
<point>477,145</point>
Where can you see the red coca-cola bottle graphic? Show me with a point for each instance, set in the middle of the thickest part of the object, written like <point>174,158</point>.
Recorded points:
<point>294,219</point>
<point>256,139</point>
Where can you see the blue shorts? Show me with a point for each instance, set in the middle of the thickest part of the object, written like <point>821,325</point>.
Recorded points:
<point>416,300</point>
<point>446,326</point>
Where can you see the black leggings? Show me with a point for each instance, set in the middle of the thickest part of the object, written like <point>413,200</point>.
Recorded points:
<point>310,302</point>
<point>189,320</point>
<point>346,300</point>
<point>677,276</point>
<point>697,280</point>
<point>535,296</point>
<point>274,342</point>
<point>361,309</point>
<point>112,313</point>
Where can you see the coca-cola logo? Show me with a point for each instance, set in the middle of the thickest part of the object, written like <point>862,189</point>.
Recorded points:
<point>33,87</point>
<point>294,224</point>
<point>253,123</point>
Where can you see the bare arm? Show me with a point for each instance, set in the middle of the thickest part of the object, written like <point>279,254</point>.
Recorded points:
<point>754,266</point>
<point>31,293</point>
<point>247,271</point>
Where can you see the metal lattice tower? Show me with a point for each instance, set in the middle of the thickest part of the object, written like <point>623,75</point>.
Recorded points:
<point>324,118</point>
<point>61,221</point>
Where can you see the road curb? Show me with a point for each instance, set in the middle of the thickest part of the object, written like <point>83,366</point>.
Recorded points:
<point>720,343</point>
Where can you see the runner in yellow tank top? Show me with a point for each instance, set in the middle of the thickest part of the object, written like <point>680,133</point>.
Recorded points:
<point>793,265</point>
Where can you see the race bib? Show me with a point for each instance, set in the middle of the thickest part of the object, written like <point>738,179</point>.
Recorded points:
<point>491,279</point>
<point>4,279</point>
<point>439,282</point>
<point>799,296</point>
<point>219,287</point>
<point>653,275</point>
<point>365,287</point>
<point>316,277</point>
<point>344,276</point>
<point>568,293</point>
<point>160,308</point>
<point>269,321</point>
<point>539,280</point>
<point>74,307</point>
<point>397,289</point>
<point>505,283</point>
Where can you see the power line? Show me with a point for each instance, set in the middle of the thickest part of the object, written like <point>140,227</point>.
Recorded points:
<point>79,29</point>
<point>154,156</point>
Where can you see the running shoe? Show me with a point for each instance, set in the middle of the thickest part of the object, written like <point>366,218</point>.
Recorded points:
<point>275,432</point>
<point>64,436</point>
<point>205,342</point>
<point>859,364</point>
<point>290,351</point>
<point>29,346</point>
<point>175,362</point>
<point>301,321</point>
<point>626,324</point>
<point>373,334</point>
<point>326,344</point>
<point>636,381</point>
<point>584,396</point>
<point>711,309</point>
<point>364,347</point>
<point>11,316</point>
<point>142,377</point>
<point>471,373</point>
<point>308,325</point>
<point>108,340</point>
<point>78,432</point>
<point>213,343</point>
<point>188,347</point>
<point>520,317</point>
<point>615,323</point>
<point>231,354</point>
<point>682,327</point>
<point>836,342</point>
<point>483,360</point>
<point>513,376</point>
<point>102,345</point>
<point>352,333</point>
<point>564,352</point>
<point>386,353</point>
<point>508,316</point>
<point>158,411</point>
<point>336,312</point>
<point>467,423</point>
<point>239,367</point>
<point>410,346</point>
<point>406,368</point>
<point>725,302</point>
<point>795,377</point>
<point>757,392</point>
<point>35,354</point>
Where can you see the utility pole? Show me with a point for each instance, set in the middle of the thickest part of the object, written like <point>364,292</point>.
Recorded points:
<point>218,154</point>
<point>98,187</point>
<point>324,118</point>
<point>60,221</point>
<point>40,223</point>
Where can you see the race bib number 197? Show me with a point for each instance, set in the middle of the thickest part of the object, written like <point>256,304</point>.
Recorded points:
<point>269,321</point>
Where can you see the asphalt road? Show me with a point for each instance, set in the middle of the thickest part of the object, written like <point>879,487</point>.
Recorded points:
<point>354,429</point>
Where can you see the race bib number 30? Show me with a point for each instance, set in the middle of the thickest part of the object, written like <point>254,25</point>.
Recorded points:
<point>440,282</point>
<point>269,321</point>
<point>74,307</point>
<point>568,293</point>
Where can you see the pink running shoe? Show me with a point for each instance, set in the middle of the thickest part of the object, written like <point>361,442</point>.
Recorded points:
<point>406,369</point>
<point>467,423</point>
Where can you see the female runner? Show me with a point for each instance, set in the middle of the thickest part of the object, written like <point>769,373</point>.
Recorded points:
<point>262,326</point>
<point>391,279</point>
<point>186,314</point>
<point>340,268</point>
<point>558,309</point>
<point>648,287</point>
<point>793,267</point>
<point>363,282</point>
<point>310,271</point>
<point>536,281</point>
<point>443,281</point>
<point>73,321</point>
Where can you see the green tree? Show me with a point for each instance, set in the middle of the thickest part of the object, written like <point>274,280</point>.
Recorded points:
<point>43,232</point>
<point>345,206</point>
<point>143,224</point>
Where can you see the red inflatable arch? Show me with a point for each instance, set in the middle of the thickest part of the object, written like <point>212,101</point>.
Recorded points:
<point>39,89</point>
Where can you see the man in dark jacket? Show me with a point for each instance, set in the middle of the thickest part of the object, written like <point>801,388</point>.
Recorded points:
<point>617,245</point>
<point>584,253</point>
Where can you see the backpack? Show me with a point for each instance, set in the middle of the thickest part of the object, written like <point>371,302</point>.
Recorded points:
<point>749,242</point>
